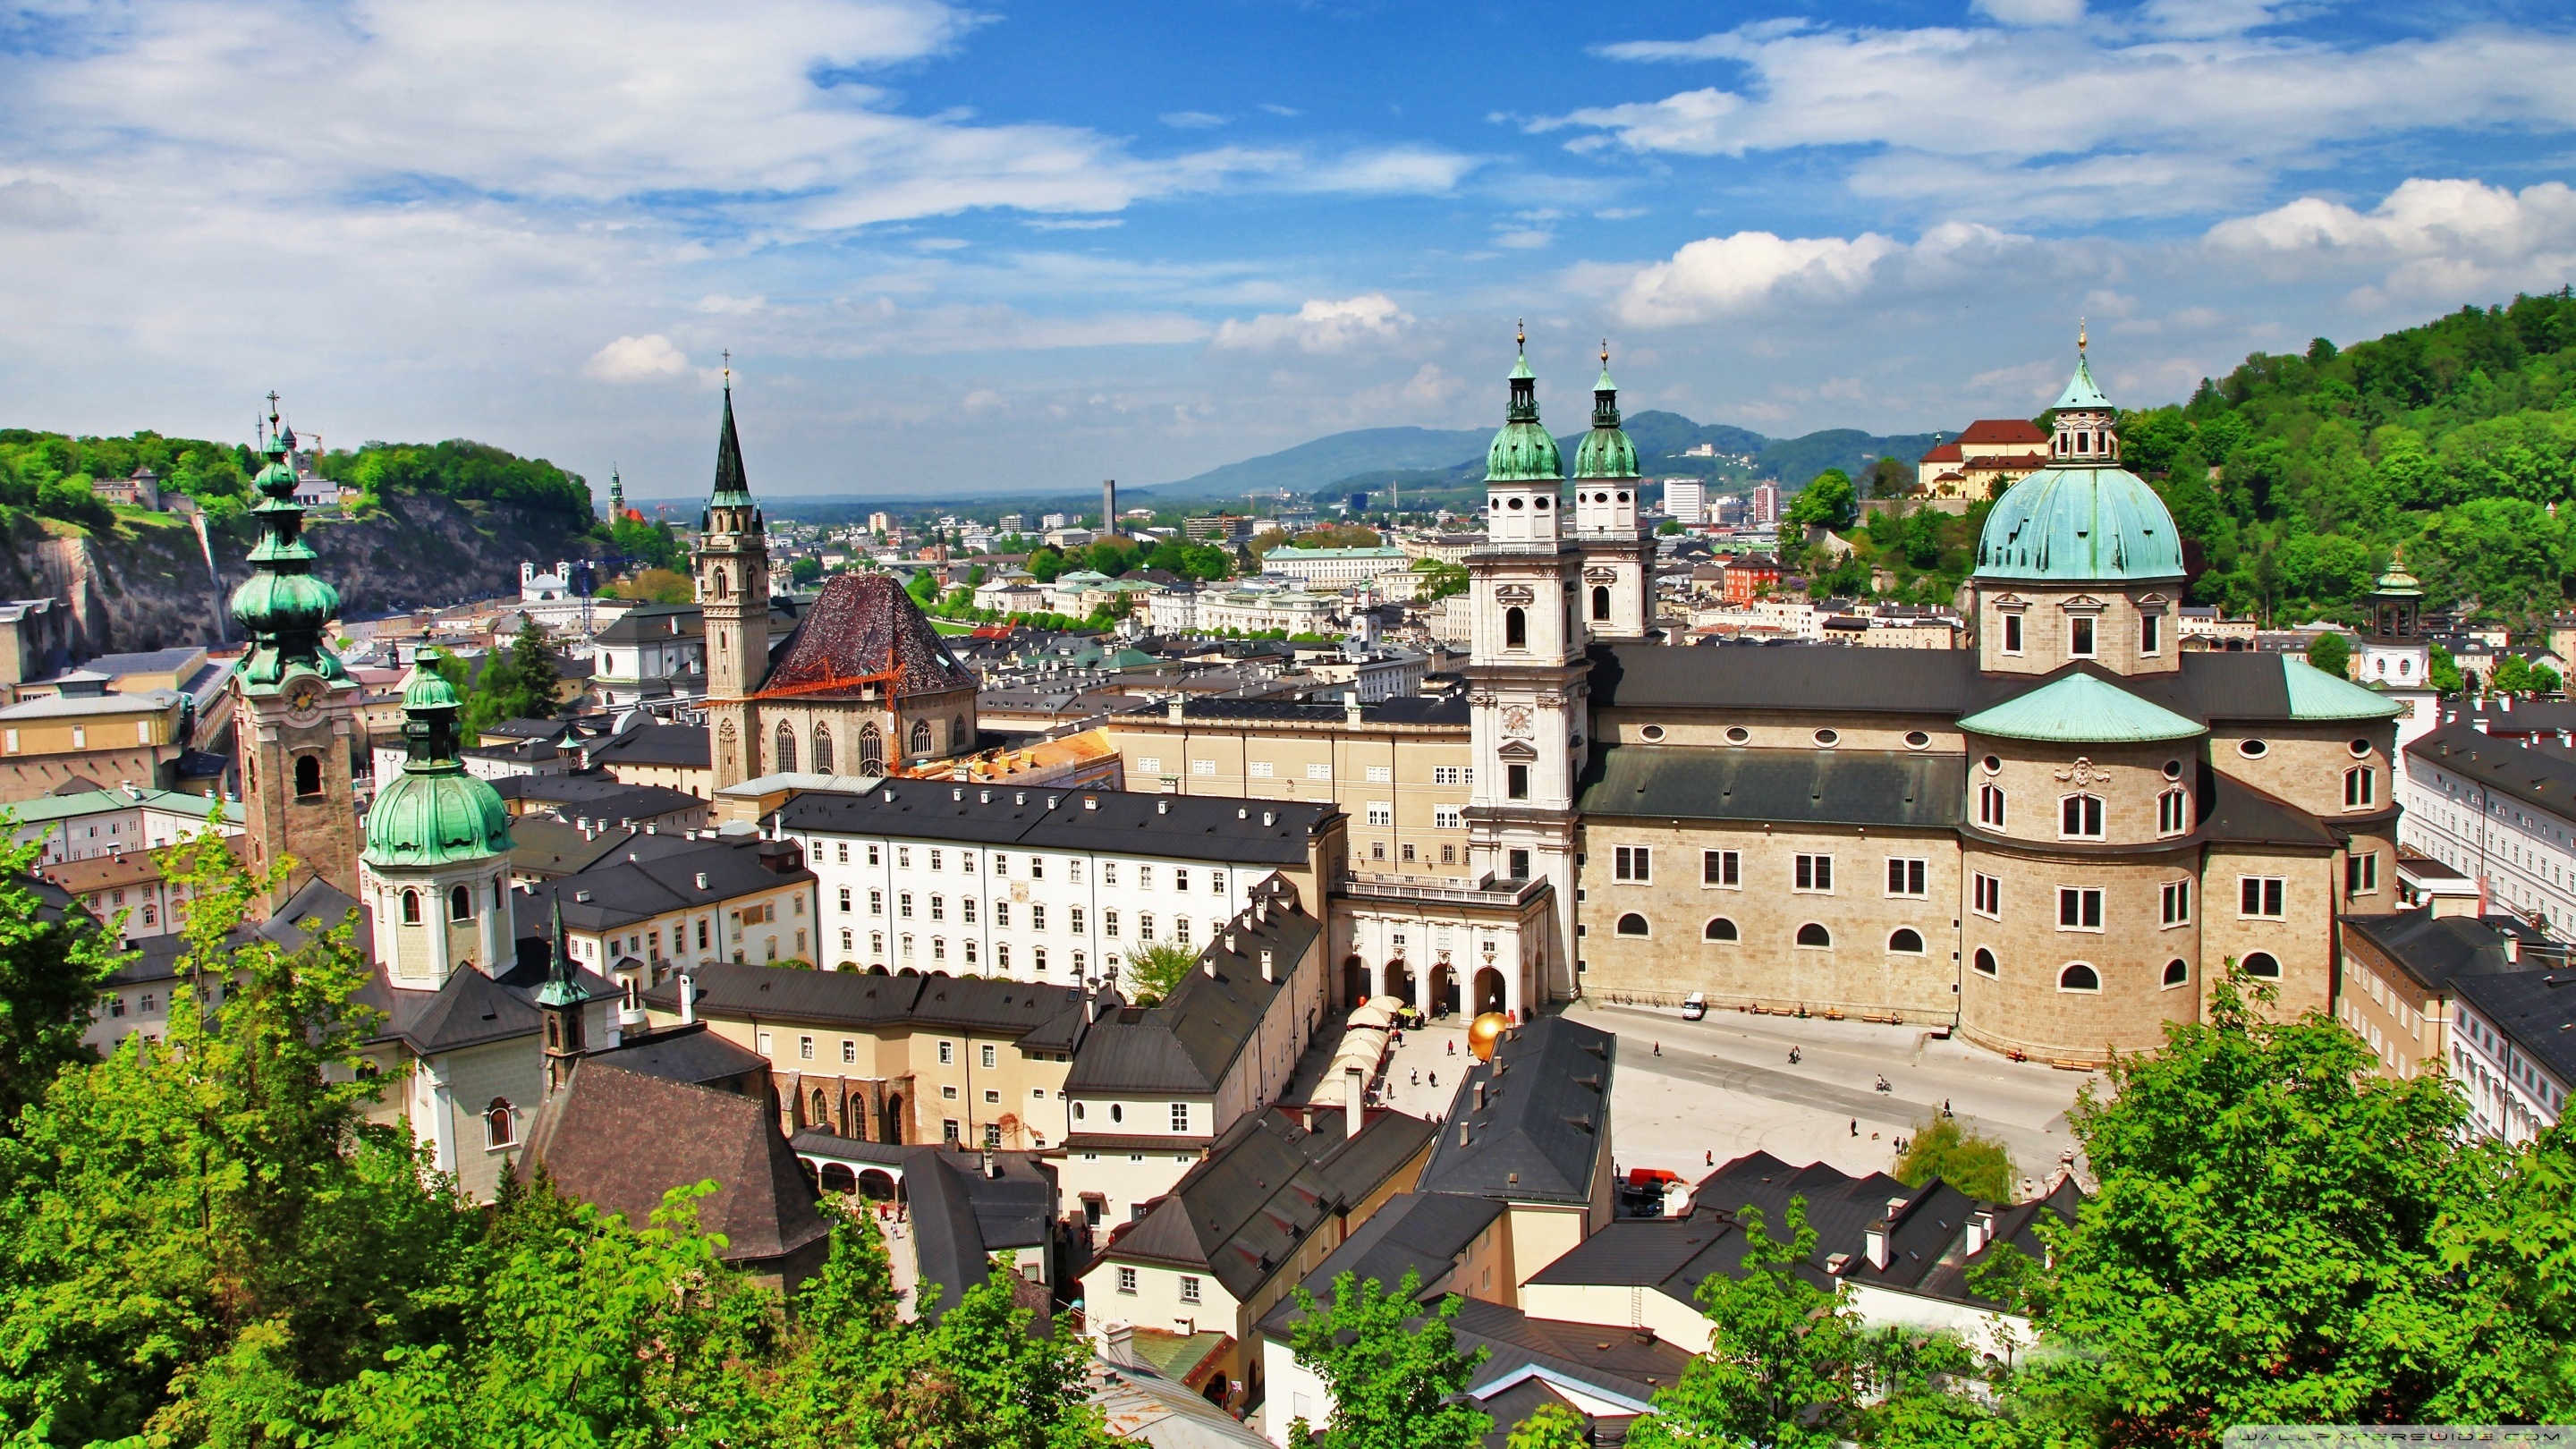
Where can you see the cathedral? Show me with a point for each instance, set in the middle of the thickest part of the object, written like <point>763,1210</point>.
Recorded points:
<point>862,683</point>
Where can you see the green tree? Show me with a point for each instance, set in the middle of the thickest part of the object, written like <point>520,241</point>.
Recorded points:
<point>805,569</point>
<point>1047,564</point>
<point>2518,1245</point>
<point>652,544</point>
<point>52,964</point>
<point>1153,971</point>
<point>2330,652</point>
<point>1670,528</point>
<point>1981,1167</point>
<point>199,1236</point>
<point>1828,501</point>
<point>2266,1243</point>
<point>1550,1426</point>
<point>1779,1366</point>
<point>2512,675</point>
<point>1439,580</point>
<point>655,586</point>
<point>2442,671</point>
<point>1395,1373</point>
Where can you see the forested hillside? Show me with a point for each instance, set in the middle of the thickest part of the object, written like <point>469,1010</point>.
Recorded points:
<point>2299,475</point>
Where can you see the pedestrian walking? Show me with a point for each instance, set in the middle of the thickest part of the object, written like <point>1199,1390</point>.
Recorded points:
<point>1855,1126</point>
<point>1711,1156</point>
<point>1435,1080</point>
<point>1417,1076</point>
<point>1659,1048</point>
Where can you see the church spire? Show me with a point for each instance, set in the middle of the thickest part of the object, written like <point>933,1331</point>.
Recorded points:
<point>733,487</point>
<point>282,606</point>
<point>1605,452</point>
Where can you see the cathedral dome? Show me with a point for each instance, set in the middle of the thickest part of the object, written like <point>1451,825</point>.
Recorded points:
<point>1523,451</point>
<point>2080,525</point>
<point>1605,452</point>
<point>434,813</point>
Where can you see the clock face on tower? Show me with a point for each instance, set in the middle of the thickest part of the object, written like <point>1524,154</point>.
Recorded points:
<point>1516,720</point>
<point>304,694</point>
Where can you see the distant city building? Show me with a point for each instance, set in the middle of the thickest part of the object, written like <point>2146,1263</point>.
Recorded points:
<point>880,523</point>
<point>1218,528</point>
<point>1991,455</point>
<point>1334,566</point>
<point>1766,504</point>
<point>1052,520</point>
<point>1685,500</point>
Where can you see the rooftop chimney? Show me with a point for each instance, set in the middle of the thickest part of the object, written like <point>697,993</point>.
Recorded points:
<point>1354,1093</point>
<point>1269,965</point>
<point>1479,1091</point>
<point>1877,1239</point>
<point>1981,1226</point>
<point>688,999</point>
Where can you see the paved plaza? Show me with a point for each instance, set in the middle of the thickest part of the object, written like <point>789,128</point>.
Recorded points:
<point>1724,1086</point>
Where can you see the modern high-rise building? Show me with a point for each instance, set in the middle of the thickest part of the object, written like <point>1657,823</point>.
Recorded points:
<point>1685,500</point>
<point>1766,504</point>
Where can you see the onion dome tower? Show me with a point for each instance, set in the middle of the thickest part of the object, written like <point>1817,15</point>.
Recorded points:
<point>294,706</point>
<point>1616,603</point>
<point>2080,562</point>
<point>436,867</point>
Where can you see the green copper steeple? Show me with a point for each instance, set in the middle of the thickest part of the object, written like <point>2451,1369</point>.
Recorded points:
<point>733,486</point>
<point>282,606</point>
<point>433,813</point>
<point>1522,451</point>
<point>560,989</point>
<point>1605,452</point>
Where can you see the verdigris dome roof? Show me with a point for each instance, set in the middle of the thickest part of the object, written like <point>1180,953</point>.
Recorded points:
<point>1605,452</point>
<point>2080,525</point>
<point>436,816</point>
<point>1523,450</point>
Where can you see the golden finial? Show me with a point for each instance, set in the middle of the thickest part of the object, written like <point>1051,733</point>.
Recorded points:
<point>1520,334</point>
<point>2079,337</point>
<point>1605,352</point>
<point>728,369</point>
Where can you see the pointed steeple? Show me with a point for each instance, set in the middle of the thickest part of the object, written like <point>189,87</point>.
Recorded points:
<point>560,989</point>
<point>1605,452</point>
<point>733,486</point>
<point>2082,393</point>
<point>283,606</point>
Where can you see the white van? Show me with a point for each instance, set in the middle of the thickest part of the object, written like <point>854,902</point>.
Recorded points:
<point>1694,1006</point>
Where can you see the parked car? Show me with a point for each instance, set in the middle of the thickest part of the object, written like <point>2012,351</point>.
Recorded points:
<point>1694,1006</point>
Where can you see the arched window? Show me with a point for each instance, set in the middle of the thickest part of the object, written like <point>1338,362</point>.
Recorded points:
<point>1600,601</point>
<point>871,749</point>
<point>460,904</point>
<point>724,746</point>
<point>308,774</point>
<point>822,1109</point>
<point>716,582</point>
<point>2079,977</point>
<point>921,737</point>
<point>822,749</point>
<point>1990,806</point>
<point>1516,628</point>
<point>785,759</point>
<point>500,1129</point>
<point>2079,817</point>
<point>2177,972</point>
<point>1719,928</point>
<point>411,908</point>
<point>1985,962</point>
<point>2263,963</point>
<point>2173,813</point>
<point>1633,924</point>
<point>1814,934</point>
<point>2360,787</point>
<point>1905,941</point>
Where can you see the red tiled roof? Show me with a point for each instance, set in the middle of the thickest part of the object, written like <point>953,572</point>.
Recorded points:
<point>2003,430</point>
<point>864,629</point>
<point>1943,453</point>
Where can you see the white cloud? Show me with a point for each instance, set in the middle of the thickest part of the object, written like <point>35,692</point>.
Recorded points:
<point>39,206</point>
<point>1191,120</point>
<point>1524,238</point>
<point>649,358</point>
<point>2031,12</point>
<point>2436,239</point>
<point>1395,169</point>
<point>1319,326</point>
<point>2135,119</point>
<point>1072,223</point>
<point>1717,276</point>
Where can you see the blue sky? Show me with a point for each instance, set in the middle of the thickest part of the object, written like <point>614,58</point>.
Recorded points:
<point>1015,245</point>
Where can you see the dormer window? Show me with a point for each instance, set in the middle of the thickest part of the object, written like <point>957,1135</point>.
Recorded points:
<point>2012,633</point>
<point>2079,636</point>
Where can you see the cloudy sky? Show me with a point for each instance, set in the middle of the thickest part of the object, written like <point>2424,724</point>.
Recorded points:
<point>1022,244</point>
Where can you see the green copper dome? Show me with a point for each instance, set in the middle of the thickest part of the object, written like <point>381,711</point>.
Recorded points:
<point>1605,452</point>
<point>282,606</point>
<point>2078,709</point>
<point>2081,391</point>
<point>2080,526</point>
<point>1523,451</point>
<point>434,813</point>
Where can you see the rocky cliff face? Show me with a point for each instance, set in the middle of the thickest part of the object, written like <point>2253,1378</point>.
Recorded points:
<point>147,586</point>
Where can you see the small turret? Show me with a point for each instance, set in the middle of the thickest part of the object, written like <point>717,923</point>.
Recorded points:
<point>1605,465</point>
<point>1523,470</point>
<point>2083,435</point>
<point>559,1000</point>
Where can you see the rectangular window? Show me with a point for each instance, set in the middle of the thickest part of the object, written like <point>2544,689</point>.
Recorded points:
<point>1037,916</point>
<point>2173,813</point>
<point>934,860</point>
<point>2259,896</point>
<point>1516,782</point>
<point>1452,775</point>
<point>1990,806</point>
<point>2079,636</point>
<point>2360,787</point>
<point>1144,877</point>
<point>1180,1116</point>
<point>1632,863</point>
<point>1126,1279</point>
<point>1520,864</point>
<point>939,948</point>
<point>1001,913</point>
<point>2174,907</point>
<point>845,852</point>
<point>2360,874</point>
<point>845,900</point>
<point>1258,769</point>
<point>1202,767</point>
<point>2151,633</point>
<point>2079,908</point>
<point>907,945</point>
<point>1109,924</point>
<point>1319,772</point>
<point>1181,880</point>
<point>2012,633</point>
<point>948,1054</point>
<point>903,905</point>
<point>1037,867</point>
<point>1816,873</point>
<point>1076,913</point>
<point>1381,774</point>
<point>1381,813</point>
<point>948,1131</point>
<point>1986,895</point>
<point>1189,1287</point>
<point>1907,877</point>
<point>1073,870</point>
<point>1001,863</point>
<point>805,1048</point>
<point>873,858</point>
<point>966,910</point>
<point>1149,764</point>
<point>988,1054</point>
<point>939,908</point>
<point>903,857</point>
<point>2079,817</point>
<point>1721,868</point>
<point>876,943</point>
<point>1447,817</point>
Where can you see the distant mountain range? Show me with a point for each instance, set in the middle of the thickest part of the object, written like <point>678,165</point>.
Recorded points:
<point>1370,458</point>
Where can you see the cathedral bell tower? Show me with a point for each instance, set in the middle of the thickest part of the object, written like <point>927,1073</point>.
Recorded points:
<point>1617,596</point>
<point>295,710</point>
<point>1525,680</point>
<point>436,871</point>
<point>733,598</point>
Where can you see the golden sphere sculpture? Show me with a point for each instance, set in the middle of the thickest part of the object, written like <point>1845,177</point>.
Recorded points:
<point>1483,1033</point>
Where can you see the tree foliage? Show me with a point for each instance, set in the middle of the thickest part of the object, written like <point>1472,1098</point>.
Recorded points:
<point>1154,970</point>
<point>50,473</point>
<point>2331,653</point>
<point>1395,1372</point>
<point>1981,1167</point>
<point>465,470</point>
<point>1828,501</point>
<point>52,964</point>
<point>655,586</point>
<point>1782,1351</point>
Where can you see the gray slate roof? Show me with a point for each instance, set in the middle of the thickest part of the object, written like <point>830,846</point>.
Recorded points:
<point>2437,951</point>
<point>1427,1232</point>
<point>1841,787</point>
<point>865,999</point>
<point>1189,1042</point>
<point>669,746</point>
<point>643,882</point>
<point>1177,827</point>
<point>1547,1108</point>
<point>2536,1010</point>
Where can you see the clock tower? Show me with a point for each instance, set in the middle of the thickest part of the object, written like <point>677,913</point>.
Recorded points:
<point>733,599</point>
<point>295,710</point>
<point>1525,682</point>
